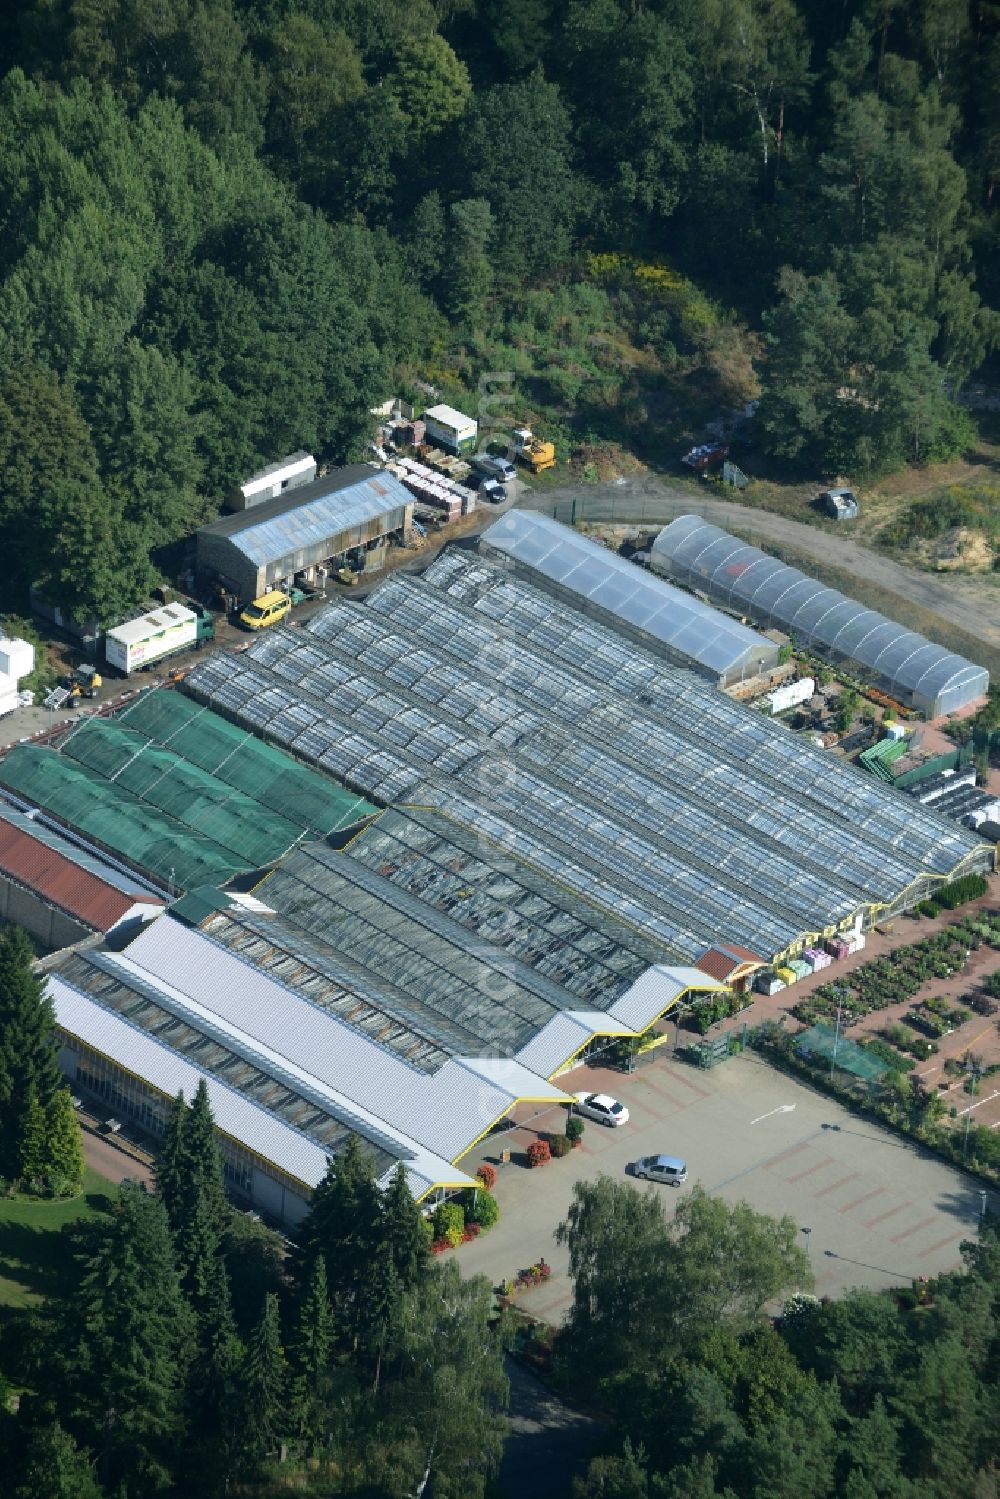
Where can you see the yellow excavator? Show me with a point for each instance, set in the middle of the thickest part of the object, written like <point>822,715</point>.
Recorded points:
<point>532,451</point>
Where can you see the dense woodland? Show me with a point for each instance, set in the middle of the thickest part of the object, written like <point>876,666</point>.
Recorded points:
<point>891,1396</point>
<point>228,227</point>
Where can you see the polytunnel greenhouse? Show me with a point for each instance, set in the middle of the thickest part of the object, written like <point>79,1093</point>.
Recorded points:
<point>738,576</point>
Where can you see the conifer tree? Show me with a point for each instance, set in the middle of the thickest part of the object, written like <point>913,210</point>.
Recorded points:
<point>169,1170</point>
<point>263,1387</point>
<point>28,1054</point>
<point>64,1163</point>
<point>403,1231</point>
<point>344,1224</point>
<point>123,1343</point>
<point>32,1153</point>
<point>311,1354</point>
<point>212,1404</point>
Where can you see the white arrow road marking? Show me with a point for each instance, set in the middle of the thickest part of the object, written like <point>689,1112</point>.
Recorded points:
<point>785,1108</point>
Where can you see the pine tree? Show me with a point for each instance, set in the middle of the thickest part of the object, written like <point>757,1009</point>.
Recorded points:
<point>263,1387</point>
<point>344,1224</point>
<point>122,1344</point>
<point>170,1163</point>
<point>55,1468</point>
<point>190,1181</point>
<point>28,1054</point>
<point>64,1162</point>
<point>212,1408</point>
<point>403,1231</point>
<point>311,1353</point>
<point>32,1153</point>
<point>203,1161</point>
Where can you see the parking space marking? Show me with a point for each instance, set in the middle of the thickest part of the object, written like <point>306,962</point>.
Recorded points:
<point>814,1168</point>
<point>941,1244</point>
<point>924,1223</point>
<point>871,1222</point>
<point>784,1154</point>
<point>875,1192</point>
<point>835,1186</point>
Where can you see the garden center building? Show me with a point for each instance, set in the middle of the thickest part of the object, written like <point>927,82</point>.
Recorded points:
<point>501,830</point>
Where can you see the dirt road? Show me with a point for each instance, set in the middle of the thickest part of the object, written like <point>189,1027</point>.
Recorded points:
<point>971,604</point>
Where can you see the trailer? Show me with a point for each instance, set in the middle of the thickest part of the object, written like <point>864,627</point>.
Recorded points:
<point>451,429</point>
<point>142,642</point>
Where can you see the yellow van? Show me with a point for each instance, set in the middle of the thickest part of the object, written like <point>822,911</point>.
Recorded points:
<point>269,609</point>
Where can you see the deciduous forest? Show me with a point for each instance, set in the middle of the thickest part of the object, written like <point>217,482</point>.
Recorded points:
<point>229,227</point>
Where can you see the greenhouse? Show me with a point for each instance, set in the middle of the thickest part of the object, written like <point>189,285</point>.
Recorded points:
<point>150,840</point>
<point>631,781</point>
<point>738,576</point>
<point>592,577</point>
<point>247,764</point>
<point>506,902</point>
<point>143,785</point>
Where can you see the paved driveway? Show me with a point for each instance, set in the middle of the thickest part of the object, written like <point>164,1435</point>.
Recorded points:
<point>880,1212</point>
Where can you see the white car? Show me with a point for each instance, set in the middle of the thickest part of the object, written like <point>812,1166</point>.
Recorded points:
<point>601,1108</point>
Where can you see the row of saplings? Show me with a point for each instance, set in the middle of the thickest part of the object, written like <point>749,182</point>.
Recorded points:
<point>898,976</point>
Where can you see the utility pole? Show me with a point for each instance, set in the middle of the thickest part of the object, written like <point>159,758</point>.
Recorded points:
<point>973,1091</point>
<point>836,1042</point>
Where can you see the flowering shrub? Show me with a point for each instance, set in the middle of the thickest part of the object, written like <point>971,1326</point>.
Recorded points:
<point>438,1246</point>
<point>470,1232</point>
<point>539,1153</point>
<point>449,1223</point>
<point>487,1175</point>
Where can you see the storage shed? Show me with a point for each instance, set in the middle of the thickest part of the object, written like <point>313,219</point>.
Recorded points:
<point>270,482</point>
<point>349,511</point>
<point>910,668</point>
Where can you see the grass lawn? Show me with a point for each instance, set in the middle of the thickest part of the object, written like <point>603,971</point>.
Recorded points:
<point>32,1250</point>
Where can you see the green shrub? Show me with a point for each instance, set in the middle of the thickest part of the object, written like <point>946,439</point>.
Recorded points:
<point>487,1210</point>
<point>449,1222</point>
<point>889,1054</point>
<point>574,1128</point>
<point>559,1145</point>
<point>969,887</point>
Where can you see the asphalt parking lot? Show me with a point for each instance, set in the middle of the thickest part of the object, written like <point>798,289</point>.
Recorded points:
<point>879,1211</point>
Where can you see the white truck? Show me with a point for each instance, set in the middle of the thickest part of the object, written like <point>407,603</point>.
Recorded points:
<point>141,642</point>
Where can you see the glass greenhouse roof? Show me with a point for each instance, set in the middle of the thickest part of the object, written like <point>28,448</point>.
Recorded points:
<point>478,884</point>
<point>684,624</point>
<point>467,982</point>
<point>910,667</point>
<point>636,784</point>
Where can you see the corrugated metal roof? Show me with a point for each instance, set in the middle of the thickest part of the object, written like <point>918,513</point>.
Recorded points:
<point>678,620</point>
<point>444,1112</point>
<point>312,514</point>
<point>163,1069</point>
<point>565,1036</point>
<point>76,883</point>
<point>655,992</point>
